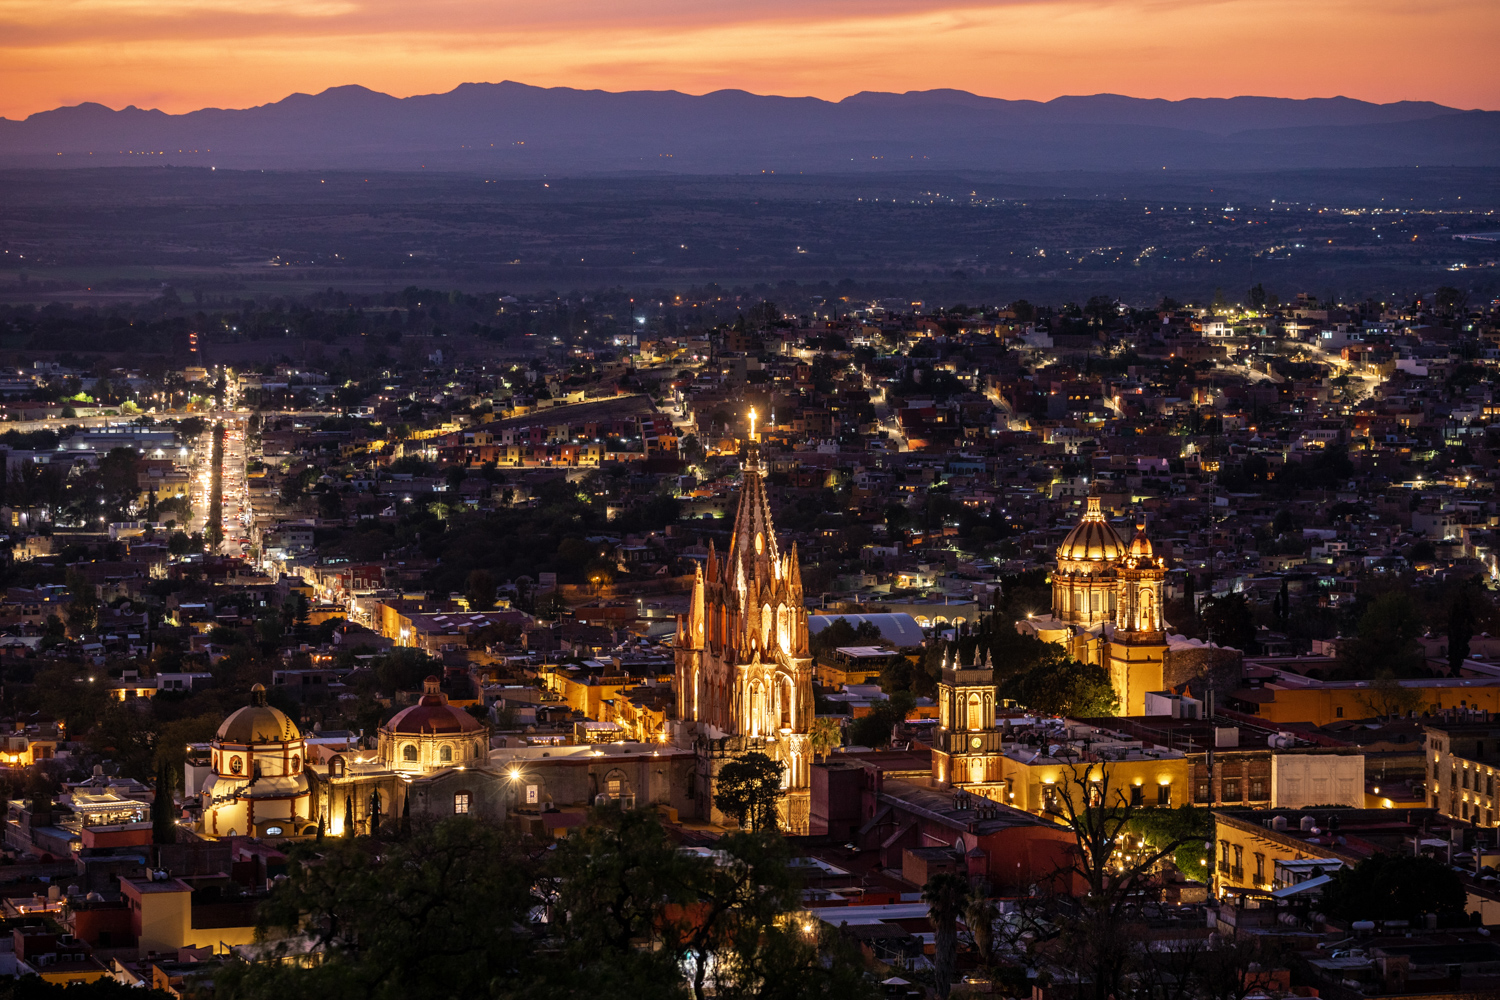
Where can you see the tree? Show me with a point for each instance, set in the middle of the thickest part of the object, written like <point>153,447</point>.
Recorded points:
<point>479,590</point>
<point>83,605</point>
<point>1069,688</point>
<point>839,632</point>
<point>746,940</point>
<point>1229,621</point>
<point>1387,698</point>
<point>824,735</point>
<point>1387,640</point>
<point>1394,887</point>
<point>634,917</point>
<point>1094,929</point>
<point>609,883</point>
<point>163,823</point>
<point>1460,630</point>
<point>874,729</point>
<point>1258,296</point>
<point>748,789</point>
<point>443,913</point>
<point>947,896</point>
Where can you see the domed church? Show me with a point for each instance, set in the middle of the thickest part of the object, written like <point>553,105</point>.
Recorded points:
<point>1107,607</point>
<point>432,734</point>
<point>257,787</point>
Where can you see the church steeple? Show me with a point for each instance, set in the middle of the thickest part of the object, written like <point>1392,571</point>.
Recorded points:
<point>744,672</point>
<point>753,544</point>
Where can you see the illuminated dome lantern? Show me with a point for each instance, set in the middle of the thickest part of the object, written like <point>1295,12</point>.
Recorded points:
<point>1083,588</point>
<point>433,734</point>
<point>258,787</point>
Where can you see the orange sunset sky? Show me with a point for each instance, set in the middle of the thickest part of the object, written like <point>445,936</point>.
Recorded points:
<point>178,55</point>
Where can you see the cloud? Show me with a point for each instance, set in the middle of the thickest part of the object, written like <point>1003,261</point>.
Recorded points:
<point>184,54</point>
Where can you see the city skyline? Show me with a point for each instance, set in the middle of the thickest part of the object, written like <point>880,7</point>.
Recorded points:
<point>119,53</point>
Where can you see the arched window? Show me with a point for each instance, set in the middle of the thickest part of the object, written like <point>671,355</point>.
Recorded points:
<point>445,754</point>
<point>409,753</point>
<point>975,715</point>
<point>296,764</point>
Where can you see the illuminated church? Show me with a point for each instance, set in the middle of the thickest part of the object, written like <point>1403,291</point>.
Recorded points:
<point>743,668</point>
<point>1107,607</point>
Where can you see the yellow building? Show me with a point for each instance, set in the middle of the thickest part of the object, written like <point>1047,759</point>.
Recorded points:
<point>587,693</point>
<point>161,915</point>
<point>1249,843</point>
<point>1464,757</point>
<point>1147,778</point>
<point>1301,699</point>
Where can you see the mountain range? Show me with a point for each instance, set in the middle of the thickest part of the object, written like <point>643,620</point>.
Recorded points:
<point>514,129</point>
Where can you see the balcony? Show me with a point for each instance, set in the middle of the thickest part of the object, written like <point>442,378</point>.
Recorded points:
<point>1238,874</point>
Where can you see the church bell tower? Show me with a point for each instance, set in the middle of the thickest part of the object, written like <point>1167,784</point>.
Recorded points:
<point>966,751</point>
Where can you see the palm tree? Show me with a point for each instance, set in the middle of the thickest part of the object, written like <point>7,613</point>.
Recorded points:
<point>980,916</point>
<point>824,736</point>
<point>946,895</point>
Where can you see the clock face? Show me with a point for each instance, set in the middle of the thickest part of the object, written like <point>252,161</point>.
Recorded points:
<point>976,743</point>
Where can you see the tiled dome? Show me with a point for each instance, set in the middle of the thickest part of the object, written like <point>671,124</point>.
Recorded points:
<point>1093,540</point>
<point>258,723</point>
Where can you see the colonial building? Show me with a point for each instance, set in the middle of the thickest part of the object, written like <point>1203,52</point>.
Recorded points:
<point>430,760</point>
<point>432,734</point>
<point>743,670</point>
<point>258,785</point>
<point>1107,611</point>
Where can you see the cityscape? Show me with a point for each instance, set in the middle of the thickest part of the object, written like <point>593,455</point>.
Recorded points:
<point>930,621</point>
<point>937,501</point>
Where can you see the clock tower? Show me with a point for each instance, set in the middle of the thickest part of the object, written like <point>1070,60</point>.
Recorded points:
<point>966,751</point>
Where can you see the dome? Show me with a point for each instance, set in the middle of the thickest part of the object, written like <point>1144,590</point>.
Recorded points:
<point>432,716</point>
<point>1140,546</point>
<point>1093,540</point>
<point>258,722</point>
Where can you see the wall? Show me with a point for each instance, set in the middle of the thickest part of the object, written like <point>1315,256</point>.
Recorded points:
<point>159,914</point>
<point>1301,780</point>
<point>1321,706</point>
<point>1028,782</point>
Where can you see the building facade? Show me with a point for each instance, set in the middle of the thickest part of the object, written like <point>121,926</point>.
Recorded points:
<point>743,669</point>
<point>1107,610</point>
<point>258,784</point>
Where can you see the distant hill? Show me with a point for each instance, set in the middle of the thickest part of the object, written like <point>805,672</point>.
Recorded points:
<point>511,128</point>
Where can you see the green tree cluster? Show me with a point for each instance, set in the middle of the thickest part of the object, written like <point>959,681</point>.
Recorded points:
<point>464,909</point>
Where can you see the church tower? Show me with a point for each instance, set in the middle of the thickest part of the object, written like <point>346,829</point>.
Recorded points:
<point>1138,647</point>
<point>743,667</point>
<point>966,751</point>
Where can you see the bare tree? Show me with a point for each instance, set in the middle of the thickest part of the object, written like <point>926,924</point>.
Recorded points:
<point>1100,927</point>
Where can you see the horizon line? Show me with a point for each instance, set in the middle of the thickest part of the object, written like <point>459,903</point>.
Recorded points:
<point>737,90</point>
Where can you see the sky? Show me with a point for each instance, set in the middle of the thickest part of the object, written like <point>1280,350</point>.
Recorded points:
<point>179,55</point>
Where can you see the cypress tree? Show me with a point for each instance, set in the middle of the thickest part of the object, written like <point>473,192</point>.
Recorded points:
<point>163,824</point>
